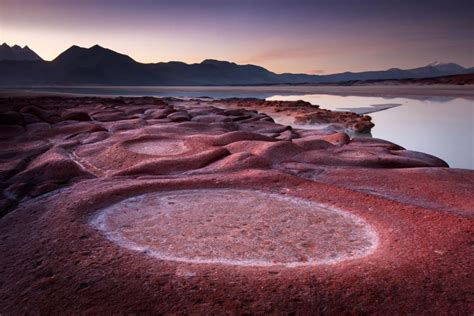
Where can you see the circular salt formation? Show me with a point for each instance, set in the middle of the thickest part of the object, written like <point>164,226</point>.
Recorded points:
<point>157,147</point>
<point>236,227</point>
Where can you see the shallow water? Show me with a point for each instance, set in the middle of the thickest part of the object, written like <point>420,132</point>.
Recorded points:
<point>440,126</point>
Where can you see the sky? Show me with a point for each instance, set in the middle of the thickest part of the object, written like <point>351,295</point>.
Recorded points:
<point>317,37</point>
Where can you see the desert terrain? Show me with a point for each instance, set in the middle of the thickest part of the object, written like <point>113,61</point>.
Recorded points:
<point>147,205</point>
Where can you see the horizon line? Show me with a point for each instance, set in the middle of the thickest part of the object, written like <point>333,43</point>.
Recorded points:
<point>227,61</point>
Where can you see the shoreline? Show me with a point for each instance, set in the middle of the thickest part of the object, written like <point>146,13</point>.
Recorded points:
<point>404,90</point>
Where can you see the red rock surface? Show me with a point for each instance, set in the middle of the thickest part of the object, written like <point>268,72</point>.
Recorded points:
<point>143,205</point>
<point>304,112</point>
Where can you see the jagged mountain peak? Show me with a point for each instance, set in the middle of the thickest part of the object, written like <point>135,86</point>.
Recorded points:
<point>97,47</point>
<point>76,56</point>
<point>100,65</point>
<point>17,53</point>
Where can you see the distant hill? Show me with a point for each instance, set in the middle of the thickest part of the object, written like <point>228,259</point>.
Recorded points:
<point>15,52</point>
<point>463,79</point>
<point>100,66</point>
<point>428,71</point>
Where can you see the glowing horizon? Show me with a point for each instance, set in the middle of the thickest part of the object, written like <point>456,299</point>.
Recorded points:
<point>318,37</point>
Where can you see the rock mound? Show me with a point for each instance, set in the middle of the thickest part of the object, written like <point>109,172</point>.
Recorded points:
<point>144,205</point>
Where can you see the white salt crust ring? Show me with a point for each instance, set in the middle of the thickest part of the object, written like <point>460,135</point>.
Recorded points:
<point>158,147</point>
<point>235,227</point>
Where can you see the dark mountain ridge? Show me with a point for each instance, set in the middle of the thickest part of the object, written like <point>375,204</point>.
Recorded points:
<point>101,66</point>
<point>16,52</point>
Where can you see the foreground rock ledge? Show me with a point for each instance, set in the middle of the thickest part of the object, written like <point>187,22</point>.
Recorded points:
<point>66,160</point>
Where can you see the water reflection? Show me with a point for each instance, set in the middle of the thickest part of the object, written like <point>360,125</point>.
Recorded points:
<point>440,126</point>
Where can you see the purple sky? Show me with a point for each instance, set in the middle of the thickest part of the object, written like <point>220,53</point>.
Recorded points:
<point>283,36</point>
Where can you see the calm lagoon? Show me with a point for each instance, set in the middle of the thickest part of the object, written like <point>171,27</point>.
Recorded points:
<point>442,126</point>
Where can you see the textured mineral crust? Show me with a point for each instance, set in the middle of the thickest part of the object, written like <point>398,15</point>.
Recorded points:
<point>145,205</point>
<point>302,112</point>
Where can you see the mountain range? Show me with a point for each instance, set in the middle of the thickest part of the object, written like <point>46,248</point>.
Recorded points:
<point>15,52</point>
<point>101,66</point>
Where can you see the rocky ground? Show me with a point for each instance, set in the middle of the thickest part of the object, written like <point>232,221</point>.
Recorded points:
<point>144,205</point>
<point>302,112</point>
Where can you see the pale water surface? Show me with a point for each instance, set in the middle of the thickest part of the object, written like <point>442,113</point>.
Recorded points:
<point>441,126</point>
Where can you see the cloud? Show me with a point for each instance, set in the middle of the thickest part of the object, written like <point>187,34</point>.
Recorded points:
<point>317,72</point>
